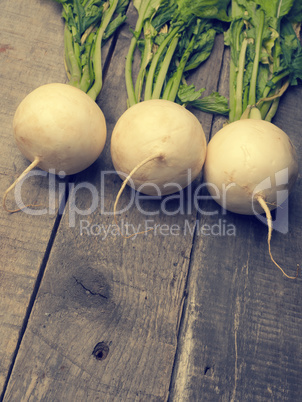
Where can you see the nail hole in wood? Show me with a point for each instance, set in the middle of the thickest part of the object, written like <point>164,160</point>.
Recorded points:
<point>100,351</point>
<point>206,369</point>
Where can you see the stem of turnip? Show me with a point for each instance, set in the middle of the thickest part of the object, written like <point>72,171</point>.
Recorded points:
<point>150,77</point>
<point>71,60</point>
<point>253,84</point>
<point>86,79</point>
<point>239,81</point>
<point>97,58</point>
<point>76,45</point>
<point>275,80</point>
<point>267,100</point>
<point>142,71</point>
<point>236,11</point>
<point>272,110</point>
<point>27,170</point>
<point>128,73</point>
<point>129,58</point>
<point>147,160</point>
<point>268,214</point>
<point>177,76</point>
<point>232,98</point>
<point>168,89</point>
<point>164,68</point>
<point>255,113</point>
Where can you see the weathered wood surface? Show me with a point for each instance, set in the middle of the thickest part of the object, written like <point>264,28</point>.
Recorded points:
<point>30,55</point>
<point>173,315</point>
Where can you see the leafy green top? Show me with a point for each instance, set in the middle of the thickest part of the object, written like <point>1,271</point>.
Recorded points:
<point>174,38</point>
<point>266,54</point>
<point>88,25</point>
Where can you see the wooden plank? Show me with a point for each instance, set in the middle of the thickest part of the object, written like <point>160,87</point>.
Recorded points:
<point>100,288</point>
<point>30,55</point>
<point>240,336</point>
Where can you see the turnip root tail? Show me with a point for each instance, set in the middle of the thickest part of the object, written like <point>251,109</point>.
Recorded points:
<point>268,214</point>
<point>148,159</point>
<point>26,171</point>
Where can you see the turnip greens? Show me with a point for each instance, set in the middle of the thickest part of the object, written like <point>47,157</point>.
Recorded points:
<point>266,54</point>
<point>174,38</point>
<point>88,25</point>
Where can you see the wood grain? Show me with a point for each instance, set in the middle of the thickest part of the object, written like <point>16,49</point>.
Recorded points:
<point>31,54</point>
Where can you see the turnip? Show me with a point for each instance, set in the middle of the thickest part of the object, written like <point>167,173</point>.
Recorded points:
<point>155,143</point>
<point>240,157</point>
<point>59,127</point>
<point>250,157</point>
<point>242,164</point>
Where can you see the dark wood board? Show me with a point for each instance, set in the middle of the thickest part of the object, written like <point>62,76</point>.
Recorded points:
<point>30,55</point>
<point>161,316</point>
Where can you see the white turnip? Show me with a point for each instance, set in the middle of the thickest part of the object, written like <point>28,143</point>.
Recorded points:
<point>241,156</point>
<point>58,127</point>
<point>249,162</point>
<point>256,158</point>
<point>167,136</point>
<point>156,143</point>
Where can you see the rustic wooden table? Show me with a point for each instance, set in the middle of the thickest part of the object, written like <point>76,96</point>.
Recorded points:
<point>175,314</point>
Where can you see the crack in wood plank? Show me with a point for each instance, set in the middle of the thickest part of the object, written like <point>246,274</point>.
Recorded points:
<point>236,326</point>
<point>89,290</point>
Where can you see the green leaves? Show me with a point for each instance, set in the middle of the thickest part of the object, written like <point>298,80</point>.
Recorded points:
<point>174,38</point>
<point>206,9</point>
<point>272,56</point>
<point>88,25</point>
<point>291,47</point>
<point>275,8</point>
<point>214,103</point>
<point>79,17</point>
<point>202,49</point>
<point>295,14</point>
